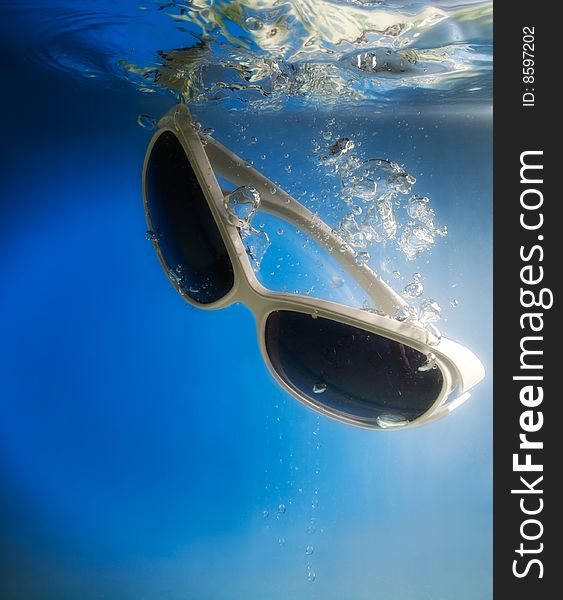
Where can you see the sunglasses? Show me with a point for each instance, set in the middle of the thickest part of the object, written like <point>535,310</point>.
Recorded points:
<point>359,367</point>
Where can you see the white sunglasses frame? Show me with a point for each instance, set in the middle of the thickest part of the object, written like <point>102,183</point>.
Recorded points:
<point>460,368</point>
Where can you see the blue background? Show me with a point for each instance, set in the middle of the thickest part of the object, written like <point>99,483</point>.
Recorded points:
<point>144,448</point>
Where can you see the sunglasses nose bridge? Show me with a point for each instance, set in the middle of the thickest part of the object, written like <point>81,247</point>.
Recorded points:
<point>250,292</point>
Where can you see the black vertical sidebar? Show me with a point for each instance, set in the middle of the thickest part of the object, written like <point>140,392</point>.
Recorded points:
<point>528,336</point>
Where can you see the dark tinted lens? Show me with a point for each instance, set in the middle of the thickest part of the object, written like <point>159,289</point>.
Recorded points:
<point>348,370</point>
<point>184,226</point>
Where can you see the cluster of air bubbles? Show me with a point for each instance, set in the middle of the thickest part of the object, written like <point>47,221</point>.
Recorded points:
<point>241,205</point>
<point>376,178</point>
<point>373,190</point>
<point>176,274</point>
<point>204,133</point>
<point>153,236</point>
<point>420,233</point>
<point>283,506</point>
<point>425,315</point>
<point>370,188</point>
<point>406,314</point>
<point>179,278</point>
<point>428,313</point>
<point>336,150</point>
<point>385,61</point>
<point>418,208</point>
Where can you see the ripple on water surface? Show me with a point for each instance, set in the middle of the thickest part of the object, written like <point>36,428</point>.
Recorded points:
<point>266,52</point>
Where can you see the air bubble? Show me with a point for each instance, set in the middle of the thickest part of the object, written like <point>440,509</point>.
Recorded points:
<point>319,388</point>
<point>281,509</point>
<point>416,239</point>
<point>413,289</point>
<point>430,311</point>
<point>434,335</point>
<point>406,314</point>
<point>362,258</point>
<point>309,550</point>
<point>256,243</point>
<point>146,121</point>
<point>253,24</point>
<point>389,421</point>
<point>429,364</point>
<point>241,204</point>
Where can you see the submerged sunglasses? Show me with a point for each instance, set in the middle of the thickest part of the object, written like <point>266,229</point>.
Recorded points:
<point>360,367</point>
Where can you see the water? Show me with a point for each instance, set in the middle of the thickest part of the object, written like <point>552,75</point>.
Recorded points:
<point>144,449</point>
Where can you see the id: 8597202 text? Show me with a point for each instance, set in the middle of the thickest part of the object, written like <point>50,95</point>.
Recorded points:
<point>528,66</point>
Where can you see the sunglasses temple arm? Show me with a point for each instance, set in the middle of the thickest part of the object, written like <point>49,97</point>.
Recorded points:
<point>282,205</point>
